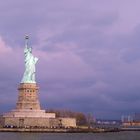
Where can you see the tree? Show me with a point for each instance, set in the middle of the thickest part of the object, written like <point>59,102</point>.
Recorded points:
<point>81,118</point>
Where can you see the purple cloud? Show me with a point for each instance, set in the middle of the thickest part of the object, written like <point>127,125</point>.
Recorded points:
<point>88,54</point>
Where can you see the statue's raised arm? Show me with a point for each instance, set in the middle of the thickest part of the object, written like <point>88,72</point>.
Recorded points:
<point>30,61</point>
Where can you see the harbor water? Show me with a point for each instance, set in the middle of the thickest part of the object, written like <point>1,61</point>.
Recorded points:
<point>131,135</point>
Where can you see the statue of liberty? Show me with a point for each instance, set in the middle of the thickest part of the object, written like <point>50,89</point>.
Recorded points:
<point>30,61</point>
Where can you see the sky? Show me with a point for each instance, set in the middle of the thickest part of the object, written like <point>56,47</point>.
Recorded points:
<point>88,50</point>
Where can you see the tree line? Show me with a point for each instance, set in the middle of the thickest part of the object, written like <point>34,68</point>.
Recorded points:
<point>81,118</point>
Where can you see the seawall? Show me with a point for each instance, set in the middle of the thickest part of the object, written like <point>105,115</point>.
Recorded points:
<point>47,130</point>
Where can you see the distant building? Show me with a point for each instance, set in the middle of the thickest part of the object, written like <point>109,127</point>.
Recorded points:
<point>131,120</point>
<point>127,118</point>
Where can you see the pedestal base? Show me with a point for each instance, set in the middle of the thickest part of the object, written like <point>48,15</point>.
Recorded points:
<point>29,113</point>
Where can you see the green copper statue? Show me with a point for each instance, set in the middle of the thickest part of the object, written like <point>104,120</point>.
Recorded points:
<point>30,61</point>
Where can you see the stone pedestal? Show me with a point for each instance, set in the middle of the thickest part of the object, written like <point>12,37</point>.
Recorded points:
<point>28,97</point>
<point>29,114</point>
<point>28,104</point>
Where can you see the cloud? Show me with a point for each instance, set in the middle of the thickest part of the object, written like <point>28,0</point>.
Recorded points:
<point>88,53</point>
<point>3,48</point>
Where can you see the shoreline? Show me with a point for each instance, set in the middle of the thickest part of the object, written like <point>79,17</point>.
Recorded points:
<point>69,130</point>
<point>47,130</point>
